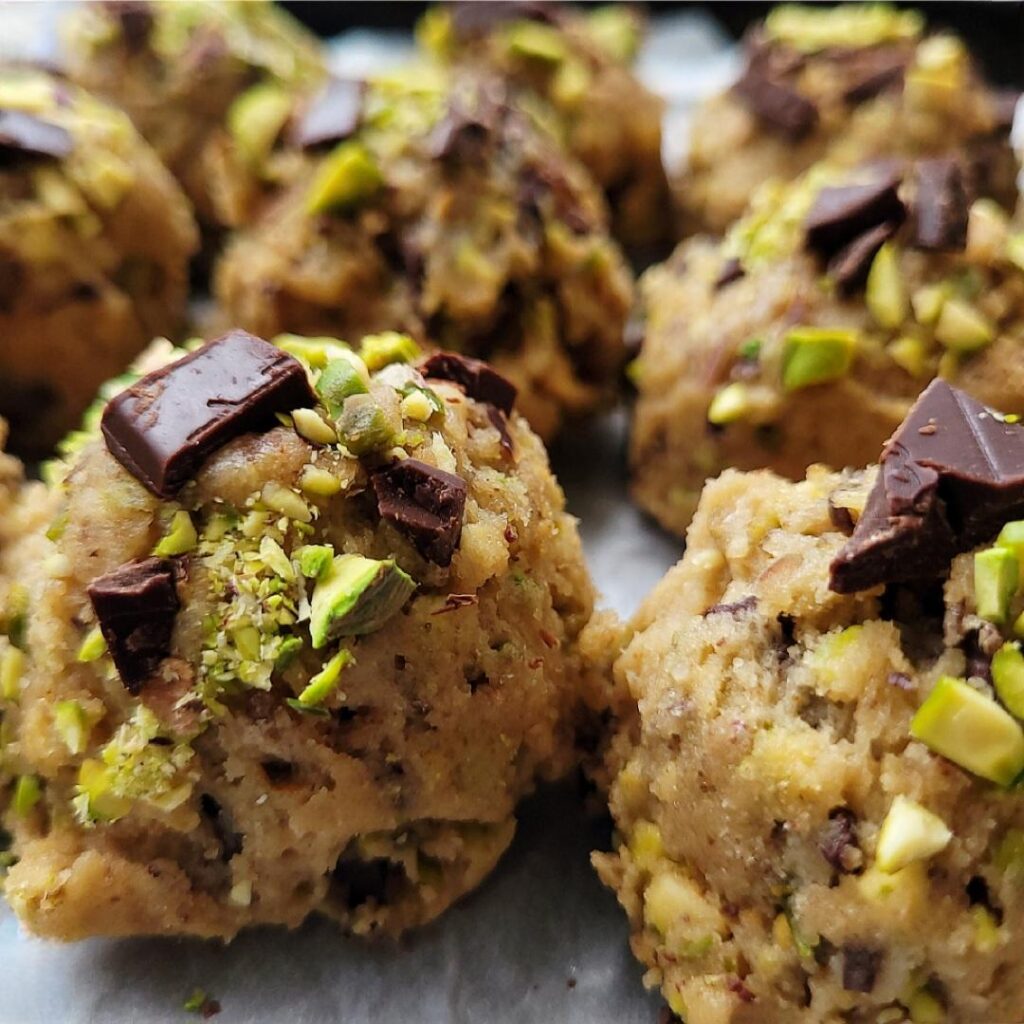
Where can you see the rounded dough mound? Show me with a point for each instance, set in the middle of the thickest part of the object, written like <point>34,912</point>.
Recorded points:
<point>575,67</point>
<point>471,229</point>
<point>94,250</point>
<point>706,342</point>
<point>881,88</point>
<point>178,68</point>
<point>208,802</point>
<point>770,743</point>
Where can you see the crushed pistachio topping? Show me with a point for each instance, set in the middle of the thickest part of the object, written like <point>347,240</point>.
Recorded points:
<point>815,355</point>
<point>325,682</point>
<point>812,29</point>
<point>180,537</point>
<point>380,350</point>
<point>73,725</point>
<point>348,176</point>
<point>255,119</point>
<point>910,832</point>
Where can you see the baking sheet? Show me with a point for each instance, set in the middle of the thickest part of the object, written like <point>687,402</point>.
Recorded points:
<point>541,942</point>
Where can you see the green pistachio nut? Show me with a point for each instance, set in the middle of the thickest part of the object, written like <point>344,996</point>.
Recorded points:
<point>1008,678</point>
<point>180,538</point>
<point>1015,250</point>
<point>324,683</point>
<point>730,403</point>
<point>70,719</point>
<point>925,1008</point>
<point>961,327</point>
<point>885,293</point>
<point>910,832</point>
<point>534,41</point>
<point>315,352</point>
<point>996,573</point>
<point>27,792</point>
<point>927,302</point>
<point>909,354</point>
<point>971,730</point>
<point>365,427</point>
<point>12,668</point>
<point>1009,853</point>
<point>380,350</point>
<point>315,560</point>
<point>348,177</point>
<point>1011,537</point>
<point>816,355</point>
<point>616,30</point>
<point>340,379</point>
<point>811,29</point>
<point>356,596</point>
<point>255,120</point>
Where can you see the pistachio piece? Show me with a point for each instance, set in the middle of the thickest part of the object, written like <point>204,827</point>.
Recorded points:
<point>1015,250</point>
<point>341,378</point>
<point>94,646</point>
<point>316,353</point>
<point>365,427</point>
<point>27,792</point>
<point>70,719</point>
<point>96,800</point>
<point>380,350</point>
<point>1009,854</point>
<point>924,1008</point>
<point>180,538</point>
<point>356,595</point>
<point>885,293</point>
<point>815,355</point>
<point>318,482</point>
<point>325,681</point>
<point>961,327</point>
<point>615,30</point>
<point>910,832</point>
<point>996,572</point>
<point>12,668</point>
<point>309,425</point>
<point>315,560</point>
<point>811,29</point>
<point>534,41</point>
<point>284,500</point>
<point>1011,537</point>
<point>971,730</point>
<point>927,303</point>
<point>1008,677</point>
<point>255,120</point>
<point>729,404</point>
<point>348,176</point>
<point>909,354</point>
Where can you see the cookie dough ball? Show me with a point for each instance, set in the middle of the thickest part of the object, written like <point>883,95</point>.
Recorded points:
<point>847,83</point>
<point>95,240</point>
<point>805,336</point>
<point>814,808</point>
<point>185,70</point>
<point>436,207</point>
<point>573,68</point>
<point>294,648</point>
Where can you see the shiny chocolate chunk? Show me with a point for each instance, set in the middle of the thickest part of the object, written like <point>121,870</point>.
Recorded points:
<point>841,214</point>
<point>163,427</point>
<point>135,606</point>
<point>474,376</point>
<point>23,134</point>
<point>870,72</point>
<point>860,968</point>
<point>950,477</point>
<point>776,103</point>
<point>333,116</point>
<point>940,207</point>
<point>732,270</point>
<point>849,267</point>
<point>471,19</point>
<point>425,504</point>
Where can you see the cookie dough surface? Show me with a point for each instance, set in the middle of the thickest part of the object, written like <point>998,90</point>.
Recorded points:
<point>574,69</point>
<point>777,349</point>
<point>848,84</point>
<point>95,240</point>
<point>181,71</point>
<point>444,211</point>
<point>362,676</point>
<point>787,850</point>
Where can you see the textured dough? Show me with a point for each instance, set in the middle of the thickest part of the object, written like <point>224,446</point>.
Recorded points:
<point>498,249</point>
<point>695,333</point>
<point>94,253</point>
<point>234,807</point>
<point>757,730</point>
<point>733,151</point>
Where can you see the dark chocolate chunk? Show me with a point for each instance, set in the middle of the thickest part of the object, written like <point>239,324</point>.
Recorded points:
<point>424,503</point>
<point>871,71</point>
<point>136,20</point>
<point>471,19</point>
<point>333,116</point>
<point>734,608</point>
<point>841,214</point>
<point>779,105</point>
<point>838,843</point>
<point>860,968</point>
<point>475,377</point>
<point>164,426</point>
<point>135,606</point>
<point>23,134</point>
<point>950,477</point>
<point>849,267</point>
<point>732,270</point>
<point>940,207</point>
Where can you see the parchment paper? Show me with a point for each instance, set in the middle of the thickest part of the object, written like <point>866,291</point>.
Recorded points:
<point>541,942</point>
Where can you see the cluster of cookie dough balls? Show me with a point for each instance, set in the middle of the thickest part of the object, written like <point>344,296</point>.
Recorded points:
<point>294,624</point>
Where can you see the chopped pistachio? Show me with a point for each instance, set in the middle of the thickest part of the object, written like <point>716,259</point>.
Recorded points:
<point>971,730</point>
<point>316,352</point>
<point>924,1008</point>
<point>570,84</point>
<point>949,365</point>
<point>1009,854</point>
<point>356,596</point>
<point>319,482</point>
<point>730,403</point>
<point>420,403</point>
<point>909,354</point>
<point>961,327</point>
<point>815,355</point>
<point>310,425</point>
<point>535,41</point>
<point>284,500</point>
<point>287,652</point>
<point>996,573</point>
<point>1015,250</point>
<point>986,930</point>
<point>12,668</point>
<point>645,845</point>
<point>1011,537</point>
<point>987,228</point>
<point>315,560</point>
<point>365,427</point>
<point>347,177</point>
<point>342,378</point>
<point>94,646</point>
<point>241,893</point>
<point>180,538</point>
<point>615,30</point>
<point>673,900</point>
<point>72,724</point>
<point>273,555</point>
<point>255,120</point>
<point>885,294</point>
<point>1008,677</point>
<point>27,792</point>
<point>927,303</point>
<point>910,832</point>
<point>325,681</point>
<point>380,350</point>
<point>811,29</point>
